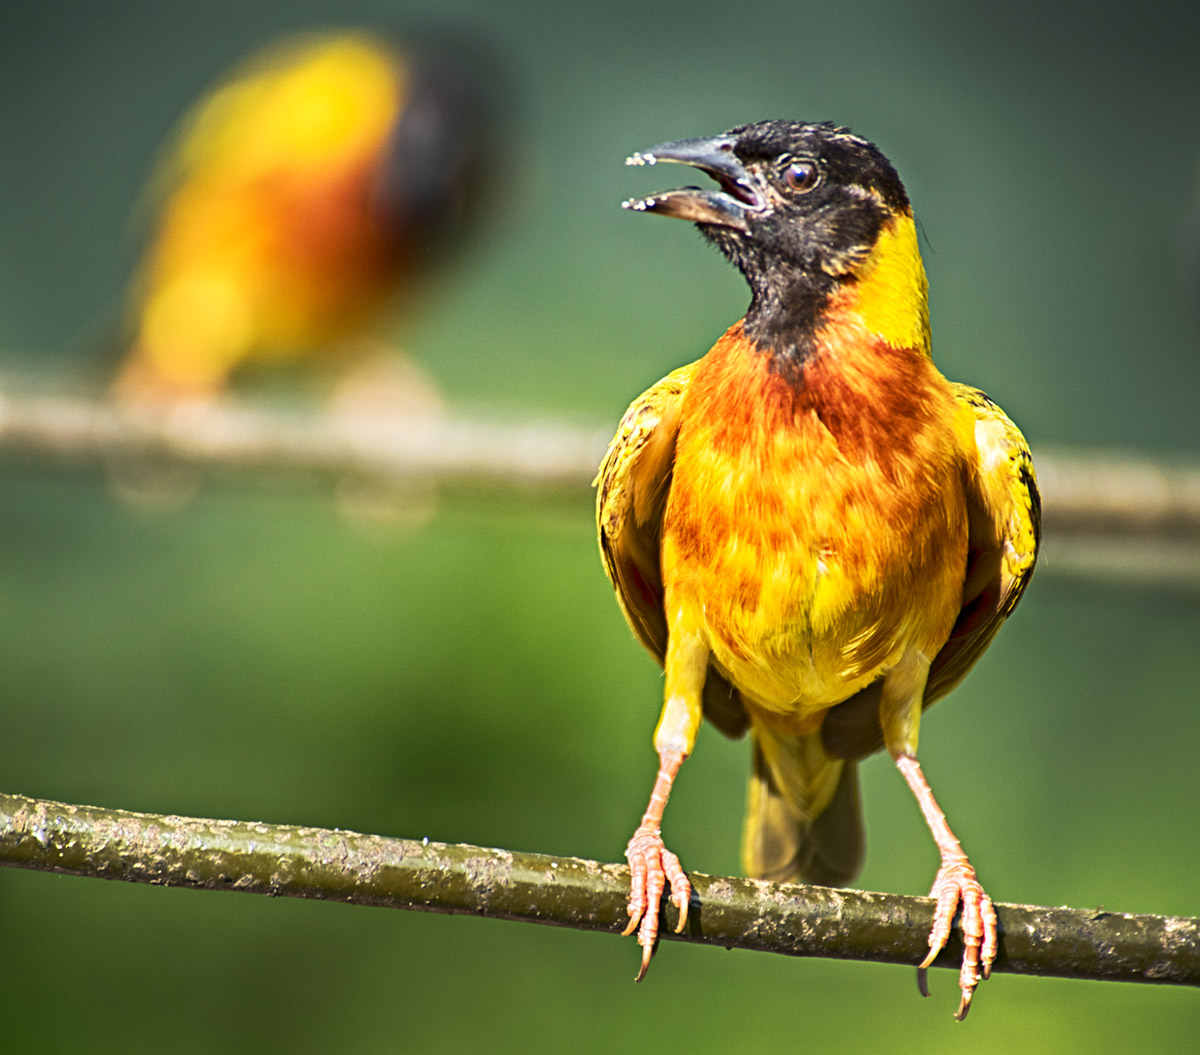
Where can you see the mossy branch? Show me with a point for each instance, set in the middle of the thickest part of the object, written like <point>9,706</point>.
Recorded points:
<point>797,920</point>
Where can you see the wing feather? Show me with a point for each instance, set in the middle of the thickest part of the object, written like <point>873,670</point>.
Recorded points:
<point>1005,529</point>
<point>631,497</point>
<point>1005,525</point>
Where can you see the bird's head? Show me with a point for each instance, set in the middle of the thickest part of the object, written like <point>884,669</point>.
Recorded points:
<point>804,211</point>
<point>430,182</point>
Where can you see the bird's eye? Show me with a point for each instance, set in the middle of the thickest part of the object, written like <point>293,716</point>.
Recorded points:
<point>801,174</point>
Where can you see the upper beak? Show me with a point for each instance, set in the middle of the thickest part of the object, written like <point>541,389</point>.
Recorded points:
<point>728,207</point>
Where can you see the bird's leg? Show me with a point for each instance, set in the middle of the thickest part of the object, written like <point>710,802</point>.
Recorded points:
<point>955,882</point>
<point>651,865</point>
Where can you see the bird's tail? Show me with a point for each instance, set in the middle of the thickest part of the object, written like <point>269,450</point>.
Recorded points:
<point>803,815</point>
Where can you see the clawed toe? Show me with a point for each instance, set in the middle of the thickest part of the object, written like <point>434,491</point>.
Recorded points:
<point>652,867</point>
<point>956,884</point>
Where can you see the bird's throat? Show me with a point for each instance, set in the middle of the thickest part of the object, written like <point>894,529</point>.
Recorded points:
<point>885,299</point>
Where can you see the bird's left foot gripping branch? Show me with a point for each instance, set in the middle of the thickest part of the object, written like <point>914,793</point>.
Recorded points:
<point>811,529</point>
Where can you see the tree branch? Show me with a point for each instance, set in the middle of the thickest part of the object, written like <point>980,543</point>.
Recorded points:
<point>237,438</point>
<point>795,919</point>
<point>1086,493</point>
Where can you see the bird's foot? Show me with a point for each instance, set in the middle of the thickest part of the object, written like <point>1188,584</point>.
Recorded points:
<point>956,883</point>
<point>652,867</point>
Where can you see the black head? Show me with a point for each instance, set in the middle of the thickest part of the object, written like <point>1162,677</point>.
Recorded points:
<point>798,209</point>
<point>433,160</point>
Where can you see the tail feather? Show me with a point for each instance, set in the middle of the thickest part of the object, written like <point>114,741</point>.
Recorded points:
<point>804,814</point>
<point>837,839</point>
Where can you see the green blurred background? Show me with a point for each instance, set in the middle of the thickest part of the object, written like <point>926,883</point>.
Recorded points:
<point>255,656</point>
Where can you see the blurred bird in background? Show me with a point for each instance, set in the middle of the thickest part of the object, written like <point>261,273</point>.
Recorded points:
<point>301,198</point>
<point>813,531</point>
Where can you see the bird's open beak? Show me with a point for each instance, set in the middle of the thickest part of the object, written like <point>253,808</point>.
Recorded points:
<point>728,207</point>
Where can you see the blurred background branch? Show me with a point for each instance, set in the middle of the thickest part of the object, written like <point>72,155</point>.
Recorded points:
<point>242,439</point>
<point>1095,493</point>
<point>798,920</point>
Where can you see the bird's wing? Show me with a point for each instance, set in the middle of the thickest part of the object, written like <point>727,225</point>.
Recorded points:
<point>1005,525</point>
<point>1005,529</point>
<point>631,495</point>
<point>632,487</point>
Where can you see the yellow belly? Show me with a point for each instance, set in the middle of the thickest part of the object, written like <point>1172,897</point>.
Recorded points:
<point>809,568</point>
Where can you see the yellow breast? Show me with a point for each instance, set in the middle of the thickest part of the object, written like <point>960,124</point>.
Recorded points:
<point>816,530</point>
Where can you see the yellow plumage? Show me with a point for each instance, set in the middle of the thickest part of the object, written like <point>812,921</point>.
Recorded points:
<point>297,199</point>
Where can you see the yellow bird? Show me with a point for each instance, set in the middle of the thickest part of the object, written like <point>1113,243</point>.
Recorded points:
<point>299,197</point>
<point>813,531</point>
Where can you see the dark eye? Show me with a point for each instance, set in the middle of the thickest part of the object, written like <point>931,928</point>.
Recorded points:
<point>801,174</point>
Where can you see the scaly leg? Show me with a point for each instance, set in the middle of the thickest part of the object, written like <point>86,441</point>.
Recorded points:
<point>955,881</point>
<point>652,866</point>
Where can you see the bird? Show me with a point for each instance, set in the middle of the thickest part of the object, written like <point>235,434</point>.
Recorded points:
<point>300,195</point>
<point>813,531</point>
